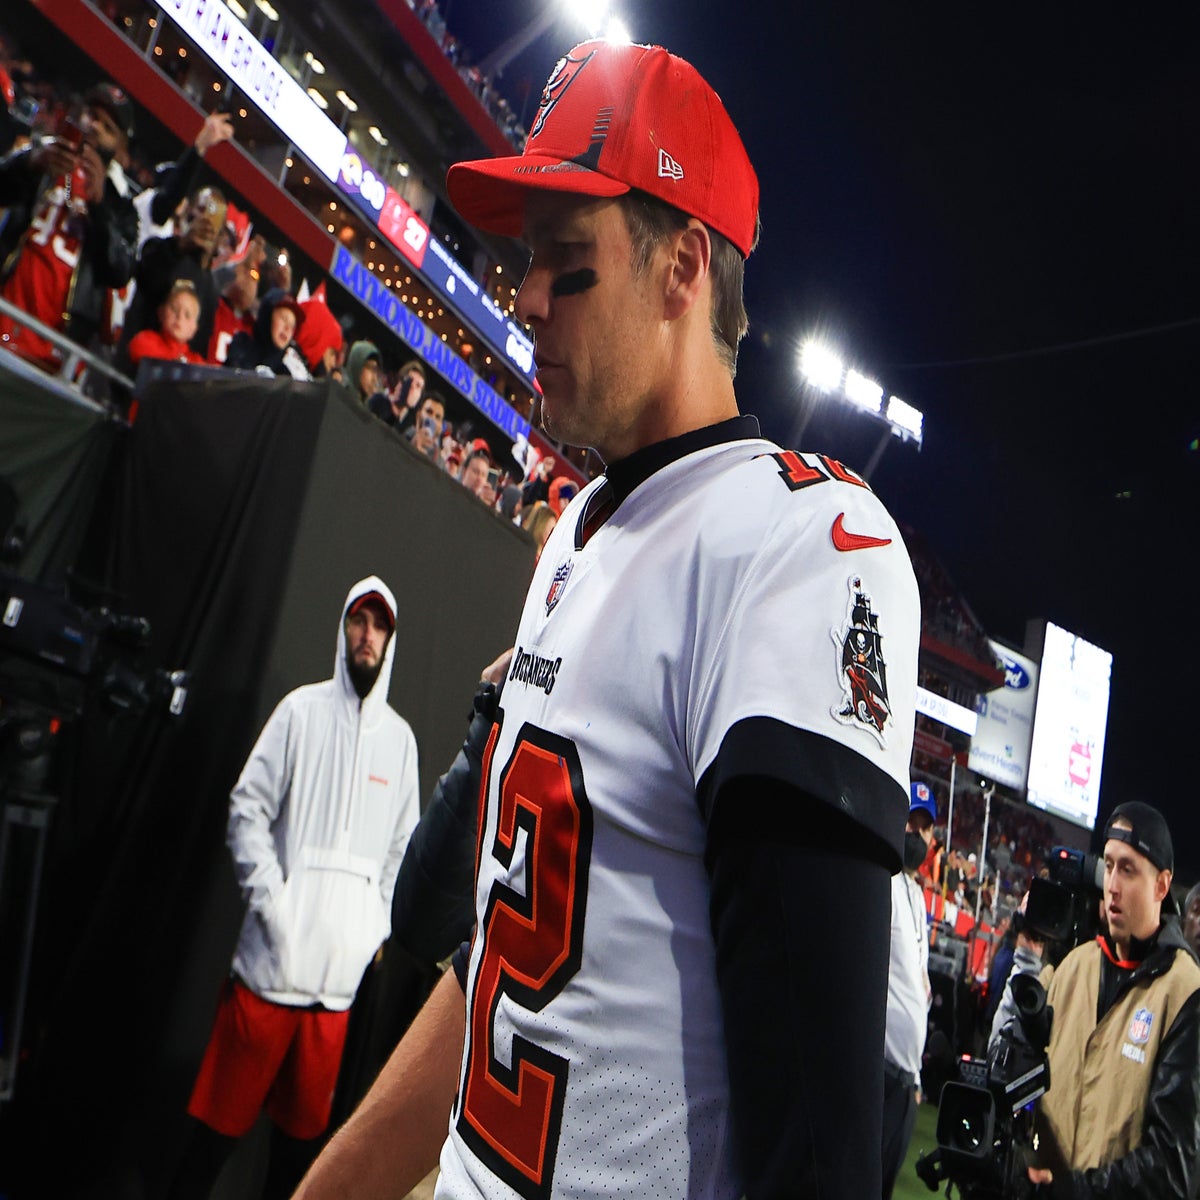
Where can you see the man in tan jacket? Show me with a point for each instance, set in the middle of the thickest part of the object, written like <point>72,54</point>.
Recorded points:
<point>1122,1116</point>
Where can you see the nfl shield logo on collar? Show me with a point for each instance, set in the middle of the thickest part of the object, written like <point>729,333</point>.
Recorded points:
<point>558,585</point>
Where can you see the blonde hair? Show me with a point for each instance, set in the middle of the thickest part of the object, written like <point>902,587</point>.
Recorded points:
<point>537,521</point>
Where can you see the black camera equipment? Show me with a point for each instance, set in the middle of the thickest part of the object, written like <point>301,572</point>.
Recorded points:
<point>985,1117</point>
<point>61,656</point>
<point>58,661</point>
<point>1066,907</point>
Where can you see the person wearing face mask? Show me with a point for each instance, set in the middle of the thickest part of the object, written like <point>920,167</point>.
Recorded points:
<point>164,262</point>
<point>909,993</point>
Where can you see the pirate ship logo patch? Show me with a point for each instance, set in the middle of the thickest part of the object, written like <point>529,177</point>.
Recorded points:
<point>558,585</point>
<point>861,669</point>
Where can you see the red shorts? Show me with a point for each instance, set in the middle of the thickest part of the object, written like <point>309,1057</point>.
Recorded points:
<point>268,1055</point>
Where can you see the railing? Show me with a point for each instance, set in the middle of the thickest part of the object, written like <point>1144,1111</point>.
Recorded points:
<point>76,364</point>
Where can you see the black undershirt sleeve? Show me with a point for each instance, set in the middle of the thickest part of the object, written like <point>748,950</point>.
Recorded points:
<point>801,918</point>
<point>823,769</point>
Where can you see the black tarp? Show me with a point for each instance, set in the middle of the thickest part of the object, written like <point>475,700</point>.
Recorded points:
<point>54,449</point>
<point>240,513</point>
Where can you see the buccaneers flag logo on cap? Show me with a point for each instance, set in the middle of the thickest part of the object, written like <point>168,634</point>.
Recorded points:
<point>560,79</point>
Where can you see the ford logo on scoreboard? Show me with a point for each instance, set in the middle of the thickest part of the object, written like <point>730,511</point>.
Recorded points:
<point>1015,675</point>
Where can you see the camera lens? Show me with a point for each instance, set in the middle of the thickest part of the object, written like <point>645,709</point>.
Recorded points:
<point>966,1120</point>
<point>968,1136</point>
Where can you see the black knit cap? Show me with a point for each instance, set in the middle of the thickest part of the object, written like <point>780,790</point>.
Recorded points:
<point>1149,835</point>
<point>116,102</point>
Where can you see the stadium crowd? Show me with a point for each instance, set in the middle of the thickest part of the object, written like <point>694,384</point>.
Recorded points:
<point>480,82</point>
<point>136,261</point>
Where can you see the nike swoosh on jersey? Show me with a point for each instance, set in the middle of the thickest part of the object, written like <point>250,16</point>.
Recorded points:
<point>844,540</point>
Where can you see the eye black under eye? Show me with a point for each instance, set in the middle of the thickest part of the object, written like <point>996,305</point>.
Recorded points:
<point>572,283</point>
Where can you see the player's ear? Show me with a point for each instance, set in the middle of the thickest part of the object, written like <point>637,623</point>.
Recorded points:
<point>690,258</point>
<point>1162,885</point>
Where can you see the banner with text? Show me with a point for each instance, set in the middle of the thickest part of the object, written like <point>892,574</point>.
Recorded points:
<point>235,52</point>
<point>374,294</point>
<point>1000,745</point>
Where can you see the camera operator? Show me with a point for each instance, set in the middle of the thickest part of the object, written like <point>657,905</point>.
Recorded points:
<point>1028,949</point>
<point>1122,1116</point>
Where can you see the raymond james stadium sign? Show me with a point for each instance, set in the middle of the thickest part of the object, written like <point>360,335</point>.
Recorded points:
<point>370,291</point>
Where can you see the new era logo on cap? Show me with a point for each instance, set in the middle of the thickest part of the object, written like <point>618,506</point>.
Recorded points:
<point>668,168</point>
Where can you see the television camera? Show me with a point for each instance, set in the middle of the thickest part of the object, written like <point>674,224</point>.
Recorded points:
<point>985,1117</point>
<point>57,659</point>
<point>1065,907</point>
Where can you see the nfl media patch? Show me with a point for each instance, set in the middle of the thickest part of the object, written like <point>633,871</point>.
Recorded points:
<point>861,669</point>
<point>558,584</point>
<point>1139,1027</point>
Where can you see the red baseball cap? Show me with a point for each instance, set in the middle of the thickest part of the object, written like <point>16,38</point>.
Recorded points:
<point>378,601</point>
<point>615,117</point>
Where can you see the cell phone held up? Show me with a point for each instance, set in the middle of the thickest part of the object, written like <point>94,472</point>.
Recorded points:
<point>70,135</point>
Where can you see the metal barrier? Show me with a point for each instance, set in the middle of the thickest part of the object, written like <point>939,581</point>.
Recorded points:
<point>77,361</point>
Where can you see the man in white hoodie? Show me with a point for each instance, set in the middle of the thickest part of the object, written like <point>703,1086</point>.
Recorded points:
<point>318,824</point>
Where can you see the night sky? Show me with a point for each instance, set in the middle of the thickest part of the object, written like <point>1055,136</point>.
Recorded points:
<point>994,213</point>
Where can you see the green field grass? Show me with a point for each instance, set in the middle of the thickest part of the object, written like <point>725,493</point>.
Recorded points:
<point>908,1186</point>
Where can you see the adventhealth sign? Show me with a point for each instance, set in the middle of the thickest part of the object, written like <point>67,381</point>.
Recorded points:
<point>239,55</point>
<point>371,292</point>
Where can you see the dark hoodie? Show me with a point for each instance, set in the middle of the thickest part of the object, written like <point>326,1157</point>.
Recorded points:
<point>356,359</point>
<point>248,351</point>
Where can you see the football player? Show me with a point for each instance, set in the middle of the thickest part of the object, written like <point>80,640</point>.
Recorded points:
<point>697,784</point>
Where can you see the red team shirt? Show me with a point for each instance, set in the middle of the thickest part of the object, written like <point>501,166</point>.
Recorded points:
<point>150,343</point>
<point>728,586</point>
<point>226,326</point>
<point>40,283</point>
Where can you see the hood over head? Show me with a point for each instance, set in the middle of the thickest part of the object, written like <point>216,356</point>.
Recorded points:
<point>376,698</point>
<point>272,299</point>
<point>356,357</point>
<point>318,332</point>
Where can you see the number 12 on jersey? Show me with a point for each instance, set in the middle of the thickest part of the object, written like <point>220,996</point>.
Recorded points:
<point>532,943</point>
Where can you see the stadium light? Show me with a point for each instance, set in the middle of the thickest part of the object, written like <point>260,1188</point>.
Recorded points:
<point>617,32</point>
<point>591,14</point>
<point>864,392</point>
<point>823,370</point>
<point>909,419</point>
<point>820,366</point>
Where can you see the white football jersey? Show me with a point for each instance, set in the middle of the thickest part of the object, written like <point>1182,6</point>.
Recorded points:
<point>738,583</point>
